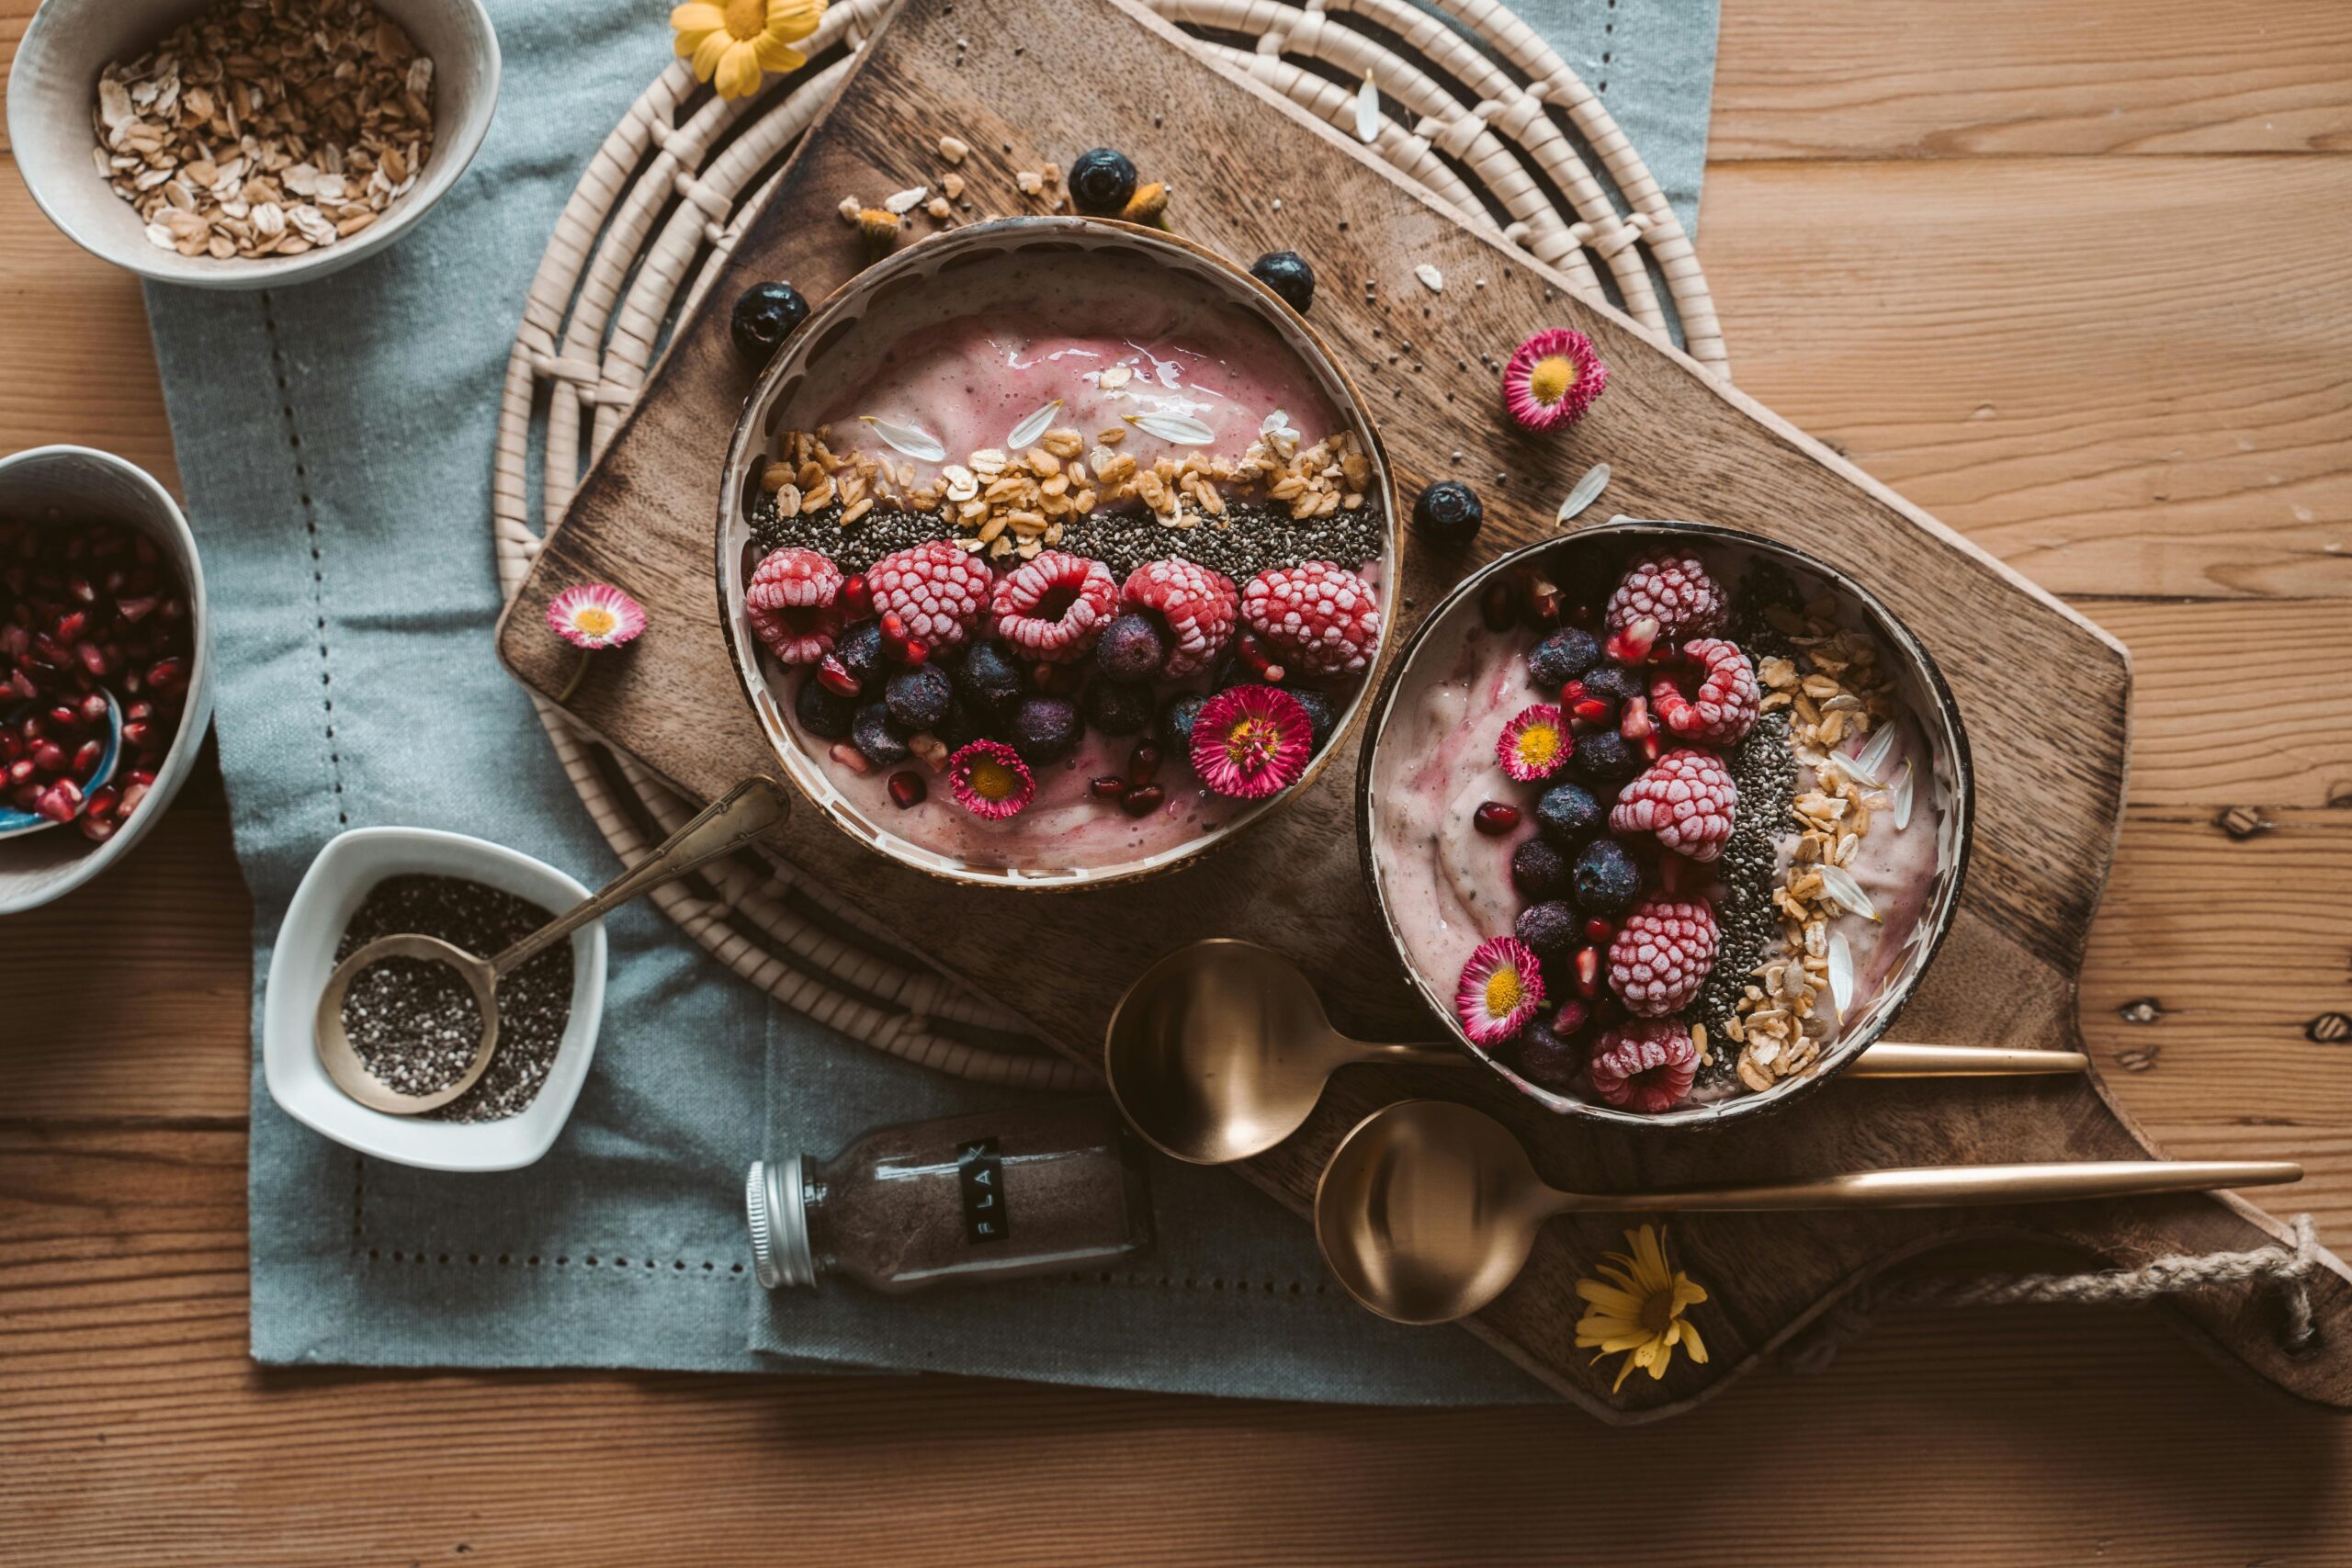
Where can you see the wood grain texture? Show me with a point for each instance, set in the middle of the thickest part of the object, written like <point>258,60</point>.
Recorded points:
<point>2047,733</point>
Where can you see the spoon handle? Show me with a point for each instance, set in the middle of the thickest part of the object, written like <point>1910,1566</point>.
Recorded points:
<point>1888,1060</point>
<point>1400,1053</point>
<point>743,814</point>
<point>1932,1186</point>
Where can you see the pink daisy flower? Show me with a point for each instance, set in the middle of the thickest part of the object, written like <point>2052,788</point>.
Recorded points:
<point>1552,378</point>
<point>595,615</point>
<point>1501,988</point>
<point>990,780</point>
<point>1252,741</point>
<point>1535,744</point>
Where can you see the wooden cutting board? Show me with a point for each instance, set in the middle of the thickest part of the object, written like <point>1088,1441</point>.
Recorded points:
<point>2044,694</point>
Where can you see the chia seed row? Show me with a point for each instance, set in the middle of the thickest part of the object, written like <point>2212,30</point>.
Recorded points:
<point>1746,925</point>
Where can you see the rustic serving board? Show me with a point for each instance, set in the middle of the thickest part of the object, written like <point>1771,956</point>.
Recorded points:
<point>2045,693</point>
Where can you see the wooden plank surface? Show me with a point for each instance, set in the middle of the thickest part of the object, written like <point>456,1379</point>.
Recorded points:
<point>129,1412</point>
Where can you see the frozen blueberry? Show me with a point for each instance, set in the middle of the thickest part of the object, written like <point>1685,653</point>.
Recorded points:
<point>1102,182</point>
<point>918,698</point>
<point>1539,871</point>
<point>1287,274</point>
<point>959,728</point>
<point>766,314</point>
<point>1602,757</point>
<point>1551,928</point>
<point>1117,707</point>
<point>875,737</point>
<point>1176,722</point>
<point>1562,657</point>
<point>1132,648</point>
<point>1606,880</point>
<point>860,651</point>
<point>1568,814</point>
<point>1320,716</point>
<point>1044,729</point>
<point>987,675</point>
<point>1547,1060</point>
<point>1449,510</point>
<point>1613,685</point>
<point>822,711</point>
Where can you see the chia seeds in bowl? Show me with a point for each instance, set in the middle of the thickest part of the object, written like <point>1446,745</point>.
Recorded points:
<point>1780,804</point>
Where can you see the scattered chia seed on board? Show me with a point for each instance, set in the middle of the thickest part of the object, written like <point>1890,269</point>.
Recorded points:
<point>1746,925</point>
<point>413,1023</point>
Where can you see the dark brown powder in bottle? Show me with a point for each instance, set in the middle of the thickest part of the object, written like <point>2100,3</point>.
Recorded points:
<point>1025,1190</point>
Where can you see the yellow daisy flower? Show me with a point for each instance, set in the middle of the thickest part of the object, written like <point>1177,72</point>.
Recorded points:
<point>733,42</point>
<point>1636,1307</point>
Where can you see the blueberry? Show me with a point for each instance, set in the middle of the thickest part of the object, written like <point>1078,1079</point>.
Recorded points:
<point>1546,1060</point>
<point>860,651</point>
<point>918,698</point>
<point>988,675</point>
<point>875,737</point>
<point>1552,928</point>
<point>1605,879</point>
<point>822,711</point>
<point>1117,707</point>
<point>1562,657</point>
<point>1044,729</point>
<point>1613,685</point>
<point>959,727</point>
<point>1568,814</point>
<point>1320,716</point>
<point>1176,722</point>
<point>1602,757</point>
<point>766,314</point>
<point>1450,510</point>
<point>1538,870</point>
<point>1287,274</point>
<point>1102,182</point>
<point>1131,648</point>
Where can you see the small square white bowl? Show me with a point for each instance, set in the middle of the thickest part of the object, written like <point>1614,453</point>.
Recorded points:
<point>331,891</point>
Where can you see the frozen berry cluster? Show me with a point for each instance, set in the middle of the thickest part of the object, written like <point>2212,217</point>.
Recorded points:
<point>1616,791</point>
<point>929,655</point>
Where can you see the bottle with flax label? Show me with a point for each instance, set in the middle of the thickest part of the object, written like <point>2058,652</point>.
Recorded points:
<point>1030,1189</point>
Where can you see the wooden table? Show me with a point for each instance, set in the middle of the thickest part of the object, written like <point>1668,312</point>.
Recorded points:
<point>2072,277</point>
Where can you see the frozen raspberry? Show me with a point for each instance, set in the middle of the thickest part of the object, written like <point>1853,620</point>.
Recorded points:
<point>1667,597</point>
<point>1644,1064</point>
<point>1660,956</point>
<point>1721,708</point>
<point>793,605</point>
<point>1685,799</point>
<point>1055,607</point>
<point>1322,617</point>
<point>936,590</point>
<point>1198,605</point>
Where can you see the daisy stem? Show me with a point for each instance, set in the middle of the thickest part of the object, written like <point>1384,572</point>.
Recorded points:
<point>579,674</point>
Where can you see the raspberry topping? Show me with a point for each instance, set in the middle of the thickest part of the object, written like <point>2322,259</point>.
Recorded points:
<point>1660,956</point>
<point>1722,708</point>
<point>1322,617</point>
<point>1644,1064</point>
<point>1685,799</point>
<point>1055,607</point>
<point>1199,606</point>
<point>1669,597</point>
<point>936,588</point>
<point>791,604</point>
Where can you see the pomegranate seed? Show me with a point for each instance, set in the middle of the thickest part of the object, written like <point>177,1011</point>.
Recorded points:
<point>1597,930</point>
<point>85,757</point>
<point>1635,725</point>
<point>1572,1015</point>
<point>15,641</point>
<point>84,590</point>
<point>907,789</point>
<point>1543,598</point>
<point>849,757</point>
<point>70,627</point>
<point>140,710</point>
<point>102,802</point>
<point>48,757</point>
<point>22,684</point>
<point>832,674</point>
<point>1587,971</point>
<point>66,717</point>
<point>1110,787</point>
<point>1260,658</point>
<point>1142,763</point>
<point>1495,607</point>
<point>22,769</point>
<point>32,728</point>
<point>1648,747</point>
<point>98,829</point>
<point>1143,800</point>
<point>24,796</point>
<point>60,801</point>
<point>136,610</point>
<point>1633,643</point>
<point>12,746</point>
<point>896,645</point>
<point>1495,818</point>
<point>94,659</point>
<point>132,794</point>
<point>167,674</point>
<point>134,732</point>
<point>857,596</point>
<point>94,708</point>
<point>142,775</point>
<point>1589,710</point>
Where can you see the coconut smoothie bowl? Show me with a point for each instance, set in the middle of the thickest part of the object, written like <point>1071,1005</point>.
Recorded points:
<point>1666,820</point>
<point>1053,551</point>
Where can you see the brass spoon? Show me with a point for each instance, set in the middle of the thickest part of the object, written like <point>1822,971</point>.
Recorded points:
<point>745,813</point>
<point>1429,1209</point>
<point>1220,1051</point>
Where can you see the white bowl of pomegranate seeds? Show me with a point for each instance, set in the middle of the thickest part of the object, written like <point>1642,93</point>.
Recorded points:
<point>101,598</point>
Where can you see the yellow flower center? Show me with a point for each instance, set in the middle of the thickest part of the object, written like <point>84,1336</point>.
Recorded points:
<point>1551,378</point>
<point>993,780</point>
<point>1539,745</point>
<point>1252,742</point>
<point>1502,993</point>
<point>746,19</point>
<point>593,620</point>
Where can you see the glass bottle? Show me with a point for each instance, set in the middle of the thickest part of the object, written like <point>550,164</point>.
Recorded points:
<point>1029,1190</point>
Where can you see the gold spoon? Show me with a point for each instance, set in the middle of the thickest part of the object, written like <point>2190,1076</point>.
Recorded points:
<point>745,813</point>
<point>1429,1209</point>
<point>1220,1051</point>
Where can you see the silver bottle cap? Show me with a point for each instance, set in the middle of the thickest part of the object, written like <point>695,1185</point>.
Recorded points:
<point>779,1223</point>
